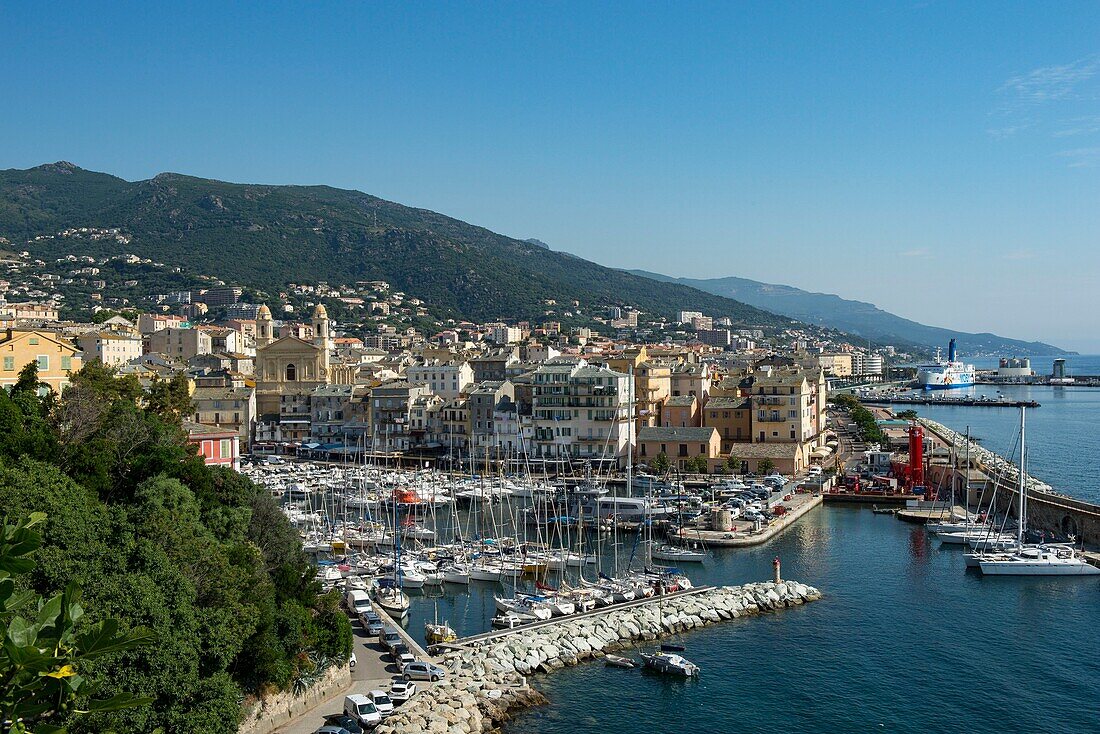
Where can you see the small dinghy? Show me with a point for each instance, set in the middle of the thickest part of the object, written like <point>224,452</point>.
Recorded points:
<point>616,661</point>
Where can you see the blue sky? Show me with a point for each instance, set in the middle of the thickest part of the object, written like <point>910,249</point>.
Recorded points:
<point>941,160</point>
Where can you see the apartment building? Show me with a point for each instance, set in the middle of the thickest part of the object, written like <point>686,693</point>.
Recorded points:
<point>581,412</point>
<point>55,357</point>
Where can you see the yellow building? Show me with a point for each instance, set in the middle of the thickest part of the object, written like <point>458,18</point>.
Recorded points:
<point>55,357</point>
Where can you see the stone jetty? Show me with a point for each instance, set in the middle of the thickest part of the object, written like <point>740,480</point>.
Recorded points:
<point>487,681</point>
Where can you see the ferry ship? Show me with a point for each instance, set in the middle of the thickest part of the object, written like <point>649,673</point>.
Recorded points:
<point>944,375</point>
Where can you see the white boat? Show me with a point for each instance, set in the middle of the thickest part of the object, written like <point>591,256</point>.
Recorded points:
<point>945,374</point>
<point>679,554</point>
<point>456,574</point>
<point>392,600</point>
<point>667,662</point>
<point>1039,560</point>
<point>484,571</point>
<point>1035,560</point>
<point>523,605</point>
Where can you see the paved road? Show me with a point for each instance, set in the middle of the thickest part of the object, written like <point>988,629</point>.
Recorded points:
<point>373,669</point>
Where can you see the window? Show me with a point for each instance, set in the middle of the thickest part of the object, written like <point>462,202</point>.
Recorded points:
<point>291,373</point>
<point>66,363</point>
<point>9,363</point>
<point>33,341</point>
<point>43,362</point>
<point>226,448</point>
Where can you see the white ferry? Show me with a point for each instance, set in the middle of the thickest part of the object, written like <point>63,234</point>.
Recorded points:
<point>944,375</point>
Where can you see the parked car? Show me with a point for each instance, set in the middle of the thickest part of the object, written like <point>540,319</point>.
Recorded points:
<point>423,671</point>
<point>372,623</point>
<point>329,729</point>
<point>382,702</point>
<point>362,709</point>
<point>345,722</point>
<point>401,654</point>
<point>389,638</point>
<point>401,690</point>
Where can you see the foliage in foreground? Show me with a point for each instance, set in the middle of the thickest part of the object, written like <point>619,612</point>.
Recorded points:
<point>199,556</point>
<point>42,654</point>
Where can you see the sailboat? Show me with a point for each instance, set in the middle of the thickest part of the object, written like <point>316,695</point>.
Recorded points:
<point>1035,560</point>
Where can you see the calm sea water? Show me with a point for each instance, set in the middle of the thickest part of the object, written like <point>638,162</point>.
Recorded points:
<point>905,640</point>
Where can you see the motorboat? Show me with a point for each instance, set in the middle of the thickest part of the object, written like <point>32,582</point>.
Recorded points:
<point>531,606</point>
<point>456,574</point>
<point>670,663</point>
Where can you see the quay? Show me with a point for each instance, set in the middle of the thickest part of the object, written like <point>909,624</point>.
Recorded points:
<point>963,401</point>
<point>739,538</point>
<point>895,499</point>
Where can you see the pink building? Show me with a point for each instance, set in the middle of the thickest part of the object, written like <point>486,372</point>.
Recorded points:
<point>217,446</point>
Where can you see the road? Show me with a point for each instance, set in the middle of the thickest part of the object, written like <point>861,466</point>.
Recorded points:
<point>373,669</point>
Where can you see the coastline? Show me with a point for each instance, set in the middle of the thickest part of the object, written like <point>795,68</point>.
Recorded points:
<point>487,681</point>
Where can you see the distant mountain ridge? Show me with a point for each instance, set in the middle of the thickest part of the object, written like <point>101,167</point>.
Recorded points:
<point>264,237</point>
<point>855,317</point>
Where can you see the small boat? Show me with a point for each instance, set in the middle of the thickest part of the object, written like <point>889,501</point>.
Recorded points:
<point>392,600</point>
<point>679,554</point>
<point>437,633</point>
<point>884,510</point>
<point>616,661</point>
<point>670,663</point>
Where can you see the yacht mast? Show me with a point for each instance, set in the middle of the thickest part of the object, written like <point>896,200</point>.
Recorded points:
<point>1023,487</point>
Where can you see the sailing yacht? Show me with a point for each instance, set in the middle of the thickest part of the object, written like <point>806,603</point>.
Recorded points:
<point>1035,560</point>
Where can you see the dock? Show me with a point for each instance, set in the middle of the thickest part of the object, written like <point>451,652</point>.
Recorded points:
<point>743,538</point>
<point>960,400</point>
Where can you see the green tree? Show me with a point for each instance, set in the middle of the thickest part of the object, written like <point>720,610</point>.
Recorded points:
<point>46,648</point>
<point>660,463</point>
<point>907,415</point>
<point>765,466</point>
<point>733,464</point>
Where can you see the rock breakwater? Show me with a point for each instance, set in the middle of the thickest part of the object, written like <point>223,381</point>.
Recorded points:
<point>487,680</point>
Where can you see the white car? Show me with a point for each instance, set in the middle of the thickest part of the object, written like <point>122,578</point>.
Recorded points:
<point>382,702</point>
<point>401,690</point>
<point>362,709</point>
<point>814,471</point>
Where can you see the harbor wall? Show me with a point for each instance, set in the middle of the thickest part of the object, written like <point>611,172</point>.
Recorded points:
<point>271,712</point>
<point>488,680</point>
<point>1047,509</point>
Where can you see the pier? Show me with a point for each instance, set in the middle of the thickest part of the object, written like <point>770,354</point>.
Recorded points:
<point>961,400</point>
<point>741,538</point>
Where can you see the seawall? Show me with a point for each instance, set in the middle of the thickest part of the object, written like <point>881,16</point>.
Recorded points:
<point>487,681</point>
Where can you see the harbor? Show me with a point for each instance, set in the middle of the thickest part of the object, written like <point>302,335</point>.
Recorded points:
<point>967,401</point>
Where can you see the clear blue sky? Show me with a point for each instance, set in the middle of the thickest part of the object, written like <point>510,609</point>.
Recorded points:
<point>939,159</point>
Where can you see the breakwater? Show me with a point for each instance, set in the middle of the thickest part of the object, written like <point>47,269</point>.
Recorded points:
<point>1048,509</point>
<point>487,681</point>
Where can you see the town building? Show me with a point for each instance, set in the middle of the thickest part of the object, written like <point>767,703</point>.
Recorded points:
<point>55,357</point>
<point>110,348</point>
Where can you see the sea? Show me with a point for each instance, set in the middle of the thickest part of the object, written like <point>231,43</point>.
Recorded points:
<point>904,640</point>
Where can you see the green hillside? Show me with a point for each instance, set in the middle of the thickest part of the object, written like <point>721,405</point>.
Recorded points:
<point>267,236</point>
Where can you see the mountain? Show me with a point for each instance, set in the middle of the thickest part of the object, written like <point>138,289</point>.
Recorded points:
<point>264,237</point>
<point>855,317</point>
